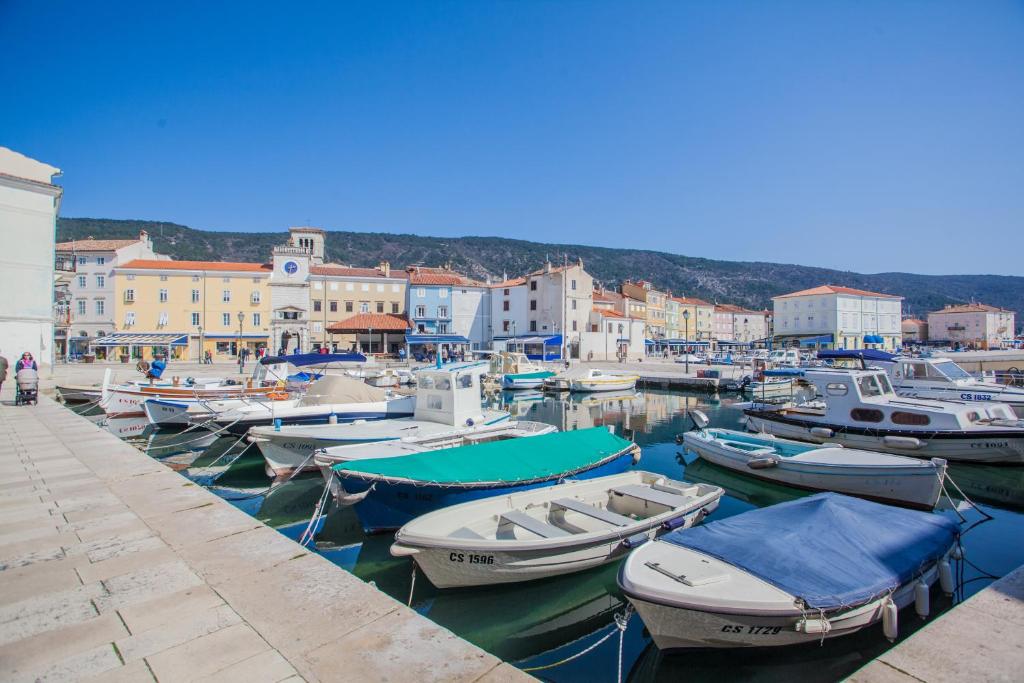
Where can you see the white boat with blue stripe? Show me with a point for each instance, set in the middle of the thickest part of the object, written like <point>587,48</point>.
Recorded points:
<point>894,479</point>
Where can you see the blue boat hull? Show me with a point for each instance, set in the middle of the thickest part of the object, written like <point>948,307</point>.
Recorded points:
<point>390,505</point>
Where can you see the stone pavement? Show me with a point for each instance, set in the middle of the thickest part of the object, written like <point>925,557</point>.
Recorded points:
<point>113,567</point>
<point>977,641</point>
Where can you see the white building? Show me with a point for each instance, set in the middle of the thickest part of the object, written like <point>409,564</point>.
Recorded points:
<point>839,317</point>
<point>978,325</point>
<point>610,335</point>
<point>509,308</point>
<point>91,286</point>
<point>289,289</point>
<point>29,203</point>
<point>559,302</point>
<point>471,312</point>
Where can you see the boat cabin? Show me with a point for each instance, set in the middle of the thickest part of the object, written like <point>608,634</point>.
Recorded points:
<point>449,395</point>
<point>866,398</point>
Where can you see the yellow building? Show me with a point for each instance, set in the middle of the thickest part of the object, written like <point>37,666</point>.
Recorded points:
<point>655,305</point>
<point>701,322</point>
<point>339,293</point>
<point>186,308</point>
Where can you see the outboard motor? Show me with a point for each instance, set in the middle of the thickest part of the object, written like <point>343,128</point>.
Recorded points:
<point>700,421</point>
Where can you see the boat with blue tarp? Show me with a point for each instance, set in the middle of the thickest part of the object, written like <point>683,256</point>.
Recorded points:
<point>388,492</point>
<point>818,567</point>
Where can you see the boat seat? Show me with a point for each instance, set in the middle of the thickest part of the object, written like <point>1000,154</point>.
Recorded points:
<point>670,500</point>
<point>532,524</point>
<point>595,512</point>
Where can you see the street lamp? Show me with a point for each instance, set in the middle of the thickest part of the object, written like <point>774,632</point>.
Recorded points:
<point>241,359</point>
<point>686,335</point>
<point>201,357</point>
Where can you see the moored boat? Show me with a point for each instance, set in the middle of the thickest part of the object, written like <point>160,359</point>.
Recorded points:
<point>798,572</point>
<point>555,530</point>
<point>601,380</point>
<point>388,492</point>
<point>447,403</point>
<point>859,409</point>
<point>894,479</point>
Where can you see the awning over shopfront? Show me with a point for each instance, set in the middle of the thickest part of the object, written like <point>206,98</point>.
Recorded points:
<point>819,339</point>
<point>737,344</point>
<point>536,347</point>
<point>412,339</point>
<point>143,339</point>
<point>873,339</point>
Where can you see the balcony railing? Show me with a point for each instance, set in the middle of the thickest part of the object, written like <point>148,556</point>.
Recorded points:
<point>64,263</point>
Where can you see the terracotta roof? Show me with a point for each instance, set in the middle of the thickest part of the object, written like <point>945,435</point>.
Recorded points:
<point>730,308</point>
<point>971,308</point>
<point>383,322</point>
<point>606,296</point>
<point>419,275</point>
<point>94,245</point>
<point>514,282</point>
<point>690,301</point>
<point>606,313</point>
<point>347,271</point>
<point>914,321</point>
<point>836,289</point>
<point>152,264</point>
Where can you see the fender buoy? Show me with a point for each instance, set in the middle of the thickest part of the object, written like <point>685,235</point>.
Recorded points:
<point>890,619</point>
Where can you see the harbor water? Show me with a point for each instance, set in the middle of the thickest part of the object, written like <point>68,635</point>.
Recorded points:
<point>538,624</point>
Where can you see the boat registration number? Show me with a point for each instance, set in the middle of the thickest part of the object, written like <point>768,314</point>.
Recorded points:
<point>470,558</point>
<point>975,397</point>
<point>752,630</point>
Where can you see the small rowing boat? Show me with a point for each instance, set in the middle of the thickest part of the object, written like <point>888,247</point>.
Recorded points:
<point>550,531</point>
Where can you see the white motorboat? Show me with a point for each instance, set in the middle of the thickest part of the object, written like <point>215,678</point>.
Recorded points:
<point>894,479</point>
<point>859,409</point>
<point>447,401</point>
<point>500,431</point>
<point>933,378</point>
<point>549,531</point>
<point>332,397</point>
<point>769,387</point>
<point>518,372</point>
<point>377,377</point>
<point>601,380</point>
<point>798,572</point>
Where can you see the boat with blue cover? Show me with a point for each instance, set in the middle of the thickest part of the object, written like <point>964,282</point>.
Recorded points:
<point>519,372</point>
<point>388,492</point>
<point>819,567</point>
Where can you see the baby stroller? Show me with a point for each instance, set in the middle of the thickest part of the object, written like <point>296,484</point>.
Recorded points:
<point>27,382</point>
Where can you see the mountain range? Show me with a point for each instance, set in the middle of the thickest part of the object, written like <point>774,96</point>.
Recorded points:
<point>750,284</point>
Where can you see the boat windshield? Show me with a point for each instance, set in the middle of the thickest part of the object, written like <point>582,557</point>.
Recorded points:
<point>874,385</point>
<point>951,370</point>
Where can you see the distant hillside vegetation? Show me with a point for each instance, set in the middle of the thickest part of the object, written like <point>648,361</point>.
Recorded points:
<point>747,284</point>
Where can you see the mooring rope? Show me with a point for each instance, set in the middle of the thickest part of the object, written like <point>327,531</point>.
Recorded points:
<point>308,534</point>
<point>621,622</point>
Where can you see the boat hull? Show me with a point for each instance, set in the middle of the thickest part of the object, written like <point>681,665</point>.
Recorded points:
<point>508,382</point>
<point>166,413</point>
<point>1012,396</point>
<point>391,504</point>
<point>455,566</point>
<point>673,627</point>
<point>992,448</point>
<point>603,384</point>
<point>912,485</point>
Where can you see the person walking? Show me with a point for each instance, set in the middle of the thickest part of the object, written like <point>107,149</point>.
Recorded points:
<point>26,361</point>
<point>3,371</point>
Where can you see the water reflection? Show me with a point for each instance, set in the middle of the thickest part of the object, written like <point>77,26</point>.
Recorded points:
<point>534,624</point>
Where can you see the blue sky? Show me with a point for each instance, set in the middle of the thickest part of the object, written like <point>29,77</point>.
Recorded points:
<point>864,135</point>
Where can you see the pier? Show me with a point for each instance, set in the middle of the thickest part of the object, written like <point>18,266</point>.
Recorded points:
<point>978,640</point>
<point>115,567</point>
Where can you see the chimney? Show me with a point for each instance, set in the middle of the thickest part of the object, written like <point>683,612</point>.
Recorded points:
<point>385,268</point>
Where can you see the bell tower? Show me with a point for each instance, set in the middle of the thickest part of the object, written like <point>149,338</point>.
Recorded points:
<point>311,239</point>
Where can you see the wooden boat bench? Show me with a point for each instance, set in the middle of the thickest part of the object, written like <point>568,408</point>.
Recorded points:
<point>595,512</point>
<point>670,500</point>
<point>532,524</point>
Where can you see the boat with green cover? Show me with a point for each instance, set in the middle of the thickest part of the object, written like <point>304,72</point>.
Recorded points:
<point>388,492</point>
